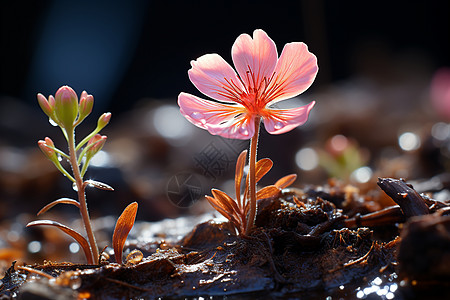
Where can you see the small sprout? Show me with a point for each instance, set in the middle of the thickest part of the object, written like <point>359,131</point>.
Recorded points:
<point>65,111</point>
<point>123,226</point>
<point>237,211</point>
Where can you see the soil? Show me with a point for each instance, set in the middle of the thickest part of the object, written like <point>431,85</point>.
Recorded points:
<point>311,243</point>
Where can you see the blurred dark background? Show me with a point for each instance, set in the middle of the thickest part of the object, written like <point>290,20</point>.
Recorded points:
<point>123,51</point>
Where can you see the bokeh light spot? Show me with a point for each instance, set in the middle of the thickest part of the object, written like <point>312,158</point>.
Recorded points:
<point>307,159</point>
<point>409,141</point>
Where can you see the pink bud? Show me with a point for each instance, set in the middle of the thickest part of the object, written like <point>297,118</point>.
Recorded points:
<point>48,152</point>
<point>51,101</point>
<point>86,104</point>
<point>96,143</point>
<point>45,105</point>
<point>103,120</point>
<point>66,106</point>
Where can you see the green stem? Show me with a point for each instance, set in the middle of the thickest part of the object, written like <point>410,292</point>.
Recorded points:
<point>86,139</point>
<point>82,197</point>
<point>252,176</point>
<point>85,166</point>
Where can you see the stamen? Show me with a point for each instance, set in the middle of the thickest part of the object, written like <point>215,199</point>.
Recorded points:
<point>232,91</point>
<point>253,79</point>
<point>233,86</point>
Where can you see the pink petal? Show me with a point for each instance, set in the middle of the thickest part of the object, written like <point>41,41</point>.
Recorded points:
<point>215,78</point>
<point>254,59</point>
<point>295,72</point>
<point>226,120</point>
<point>279,121</point>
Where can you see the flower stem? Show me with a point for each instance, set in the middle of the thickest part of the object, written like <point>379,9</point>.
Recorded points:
<point>82,197</point>
<point>252,176</point>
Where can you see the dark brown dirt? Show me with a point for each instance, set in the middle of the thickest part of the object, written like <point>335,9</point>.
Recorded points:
<point>298,248</point>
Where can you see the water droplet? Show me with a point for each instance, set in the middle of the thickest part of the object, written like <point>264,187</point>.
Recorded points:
<point>70,279</point>
<point>243,130</point>
<point>134,257</point>
<point>74,186</point>
<point>197,115</point>
<point>60,157</point>
<point>50,120</point>
<point>278,125</point>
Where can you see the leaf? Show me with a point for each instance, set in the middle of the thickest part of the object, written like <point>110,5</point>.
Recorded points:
<point>78,237</point>
<point>123,226</point>
<point>62,200</point>
<point>286,181</point>
<point>226,200</point>
<point>240,164</point>
<point>99,185</point>
<point>231,217</point>
<point>262,167</point>
<point>268,192</point>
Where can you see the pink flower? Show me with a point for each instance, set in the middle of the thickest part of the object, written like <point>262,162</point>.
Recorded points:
<point>262,80</point>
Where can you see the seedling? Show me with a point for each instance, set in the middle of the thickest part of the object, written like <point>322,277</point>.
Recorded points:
<point>66,112</point>
<point>236,211</point>
<point>262,79</point>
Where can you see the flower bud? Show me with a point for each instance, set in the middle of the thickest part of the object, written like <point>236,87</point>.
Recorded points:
<point>45,105</point>
<point>86,104</point>
<point>48,152</point>
<point>103,120</point>
<point>96,143</point>
<point>66,106</point>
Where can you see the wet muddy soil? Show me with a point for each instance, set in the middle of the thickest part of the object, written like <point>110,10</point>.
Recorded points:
<point>313,242</point>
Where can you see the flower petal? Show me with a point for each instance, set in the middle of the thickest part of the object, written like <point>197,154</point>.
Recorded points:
<point>295,72</point>
<point>254,59</point>
<point>279,121</point>
<point>215,78</point>
<point>226,120</point>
